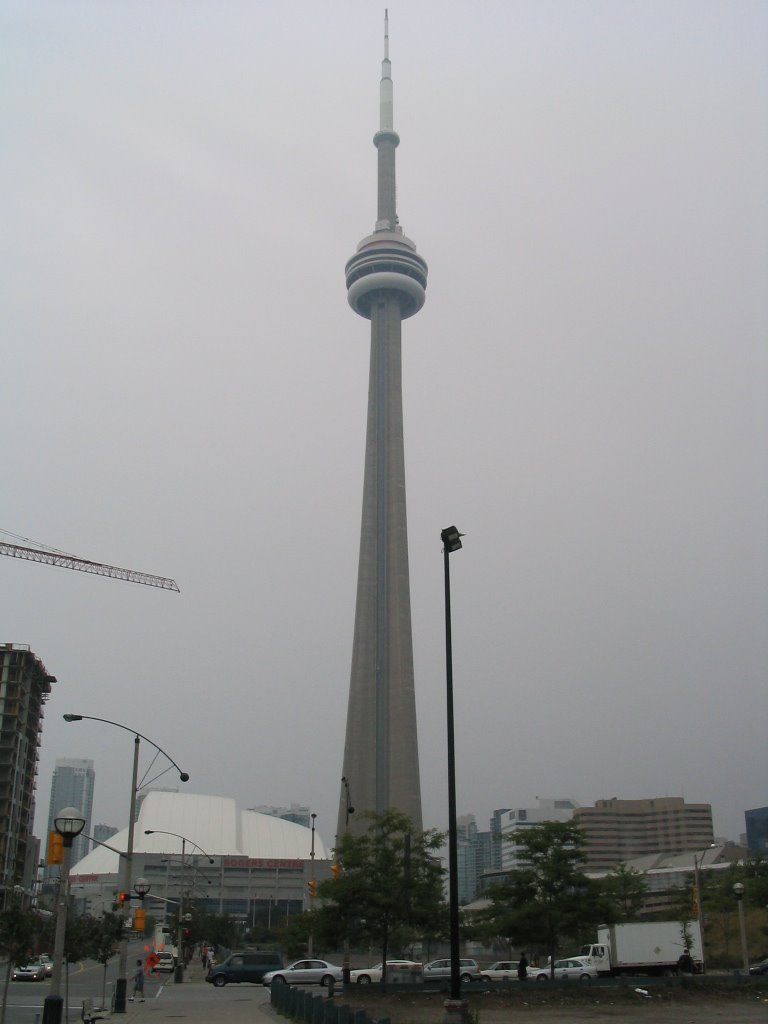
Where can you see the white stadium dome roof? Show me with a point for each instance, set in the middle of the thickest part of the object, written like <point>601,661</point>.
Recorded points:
<point>216,823</point>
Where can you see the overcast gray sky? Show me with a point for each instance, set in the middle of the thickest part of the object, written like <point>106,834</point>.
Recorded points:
<point>185,386</point>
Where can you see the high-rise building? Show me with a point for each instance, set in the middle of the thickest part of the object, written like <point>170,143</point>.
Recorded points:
<point>24,688</point>
<point>617,831</point>
<point>72,786</point>
<point>757,829</point>
<point>386,281</point>
<point>518,818</point>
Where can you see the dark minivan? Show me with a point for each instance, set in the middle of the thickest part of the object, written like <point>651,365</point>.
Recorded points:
<point>250,965</point>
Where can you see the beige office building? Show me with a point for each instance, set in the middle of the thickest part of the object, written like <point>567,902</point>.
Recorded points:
<point>618,831</point>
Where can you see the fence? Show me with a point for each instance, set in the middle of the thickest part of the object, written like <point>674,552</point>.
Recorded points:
<point>310,1008</point>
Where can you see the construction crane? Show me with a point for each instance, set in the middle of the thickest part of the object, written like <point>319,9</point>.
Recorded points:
<point>50,556</point>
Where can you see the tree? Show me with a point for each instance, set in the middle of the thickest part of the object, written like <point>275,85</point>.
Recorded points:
<point>105,939</point>
<point>389,888</point>
<point>18,932</point>
<point>625,888</point>
<point>547,899</point>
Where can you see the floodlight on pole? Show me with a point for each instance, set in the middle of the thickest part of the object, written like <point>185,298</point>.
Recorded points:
<point>451,539</point>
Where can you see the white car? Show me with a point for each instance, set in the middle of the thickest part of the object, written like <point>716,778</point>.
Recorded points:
<point>305,972</point>
<point>502,970</point>
<point>365,975</point>
<point>46,961</point>
<point>166,961</point>
<point>33,971</point>
<point>566,970</point>
<point>439,969</point>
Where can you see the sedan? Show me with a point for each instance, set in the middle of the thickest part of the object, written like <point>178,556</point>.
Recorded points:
<point>166,961</point>
<point>47,963</point>
<point>568,970</point>
<point>305,972</point>
<point>468,970</point>
<point>502,970</point>
<point>368,974</point>
<point>761,968</point>
<point>34,971</point>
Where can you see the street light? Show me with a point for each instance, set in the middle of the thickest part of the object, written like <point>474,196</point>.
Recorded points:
<point>738,891</point>
<point>121,985</point>
<point>179,972</point>
<point>311,942</point>
<point>451,539</point>
<point>69,823</point>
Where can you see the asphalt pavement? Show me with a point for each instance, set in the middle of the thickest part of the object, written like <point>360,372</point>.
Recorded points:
<point>194,1001</point>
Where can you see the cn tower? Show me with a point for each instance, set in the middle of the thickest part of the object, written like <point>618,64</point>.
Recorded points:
<point>386,281</point>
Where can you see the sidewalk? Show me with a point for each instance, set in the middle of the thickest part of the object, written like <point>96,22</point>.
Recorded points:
<point>195,1001</point>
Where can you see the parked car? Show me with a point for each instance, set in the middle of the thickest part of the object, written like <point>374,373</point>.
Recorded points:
<point>305,972</point>
<point>468,970</point>
<point>366,975</point>
<point>166,962</point>
<point>502,970</point>
<point>565,970</point>
<point>761,968</point>
<point>46,961</point>
<point>33,971</point>
<point>250,965</point>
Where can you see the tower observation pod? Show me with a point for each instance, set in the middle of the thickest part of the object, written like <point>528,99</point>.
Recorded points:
<point>386,282</point>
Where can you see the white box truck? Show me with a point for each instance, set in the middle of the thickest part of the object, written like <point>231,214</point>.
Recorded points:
<point>643,947</point>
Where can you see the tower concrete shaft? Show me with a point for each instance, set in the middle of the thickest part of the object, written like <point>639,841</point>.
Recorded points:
<point>386,281</point>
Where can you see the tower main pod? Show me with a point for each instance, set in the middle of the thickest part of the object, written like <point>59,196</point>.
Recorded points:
<point>386,281</point>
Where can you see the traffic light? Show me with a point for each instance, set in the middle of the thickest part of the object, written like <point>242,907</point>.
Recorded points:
<point>336,871</point>
<point>55,848</point>
<point>122,898</point>
<point>139,920</point>
<point>312,888</point>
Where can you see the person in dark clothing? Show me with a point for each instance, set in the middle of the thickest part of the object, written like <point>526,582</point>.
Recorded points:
<point>522,968</point>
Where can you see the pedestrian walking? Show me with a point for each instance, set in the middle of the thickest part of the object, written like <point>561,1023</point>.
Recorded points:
<point>138,983</point>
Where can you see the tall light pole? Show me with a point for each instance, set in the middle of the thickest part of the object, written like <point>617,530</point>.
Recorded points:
<point>738,891</point>
<point>451,539</point>
<point>122,980</point>
<point>69,823</point>
<point>179,972</point>
<point>312,883</point>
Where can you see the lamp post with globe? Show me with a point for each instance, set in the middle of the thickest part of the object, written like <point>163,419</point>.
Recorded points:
<point>69,823</point>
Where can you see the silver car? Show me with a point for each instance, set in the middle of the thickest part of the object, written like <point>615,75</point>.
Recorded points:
<point>468,970</point>
<point>33,971</point>
<point>305,972</point>
<point>567,969</point>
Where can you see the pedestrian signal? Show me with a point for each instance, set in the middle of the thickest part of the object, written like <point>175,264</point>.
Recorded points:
<point>139,919</point>
<point>312,888</point>
<point>336,871</point>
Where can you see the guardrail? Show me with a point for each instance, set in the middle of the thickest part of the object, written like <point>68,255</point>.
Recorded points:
<point>311,1008</point>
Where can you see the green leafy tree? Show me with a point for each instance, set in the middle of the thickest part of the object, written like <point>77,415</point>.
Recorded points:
<point>390,886</point>
<point>625,888</point>
<point>105,940</point>
<point>547,899</point>
<point>19,929</point>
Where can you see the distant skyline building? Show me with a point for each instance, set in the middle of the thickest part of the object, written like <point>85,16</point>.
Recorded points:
<point>24,688</point>
<point>757,829</point>
<point>386,282</point>
<point>72,786</point>
<point>510,821</point>
<point>617,831</point>
<point>103,833</point>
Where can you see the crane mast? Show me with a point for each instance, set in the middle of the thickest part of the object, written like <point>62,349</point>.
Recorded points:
<point>65,561</point>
